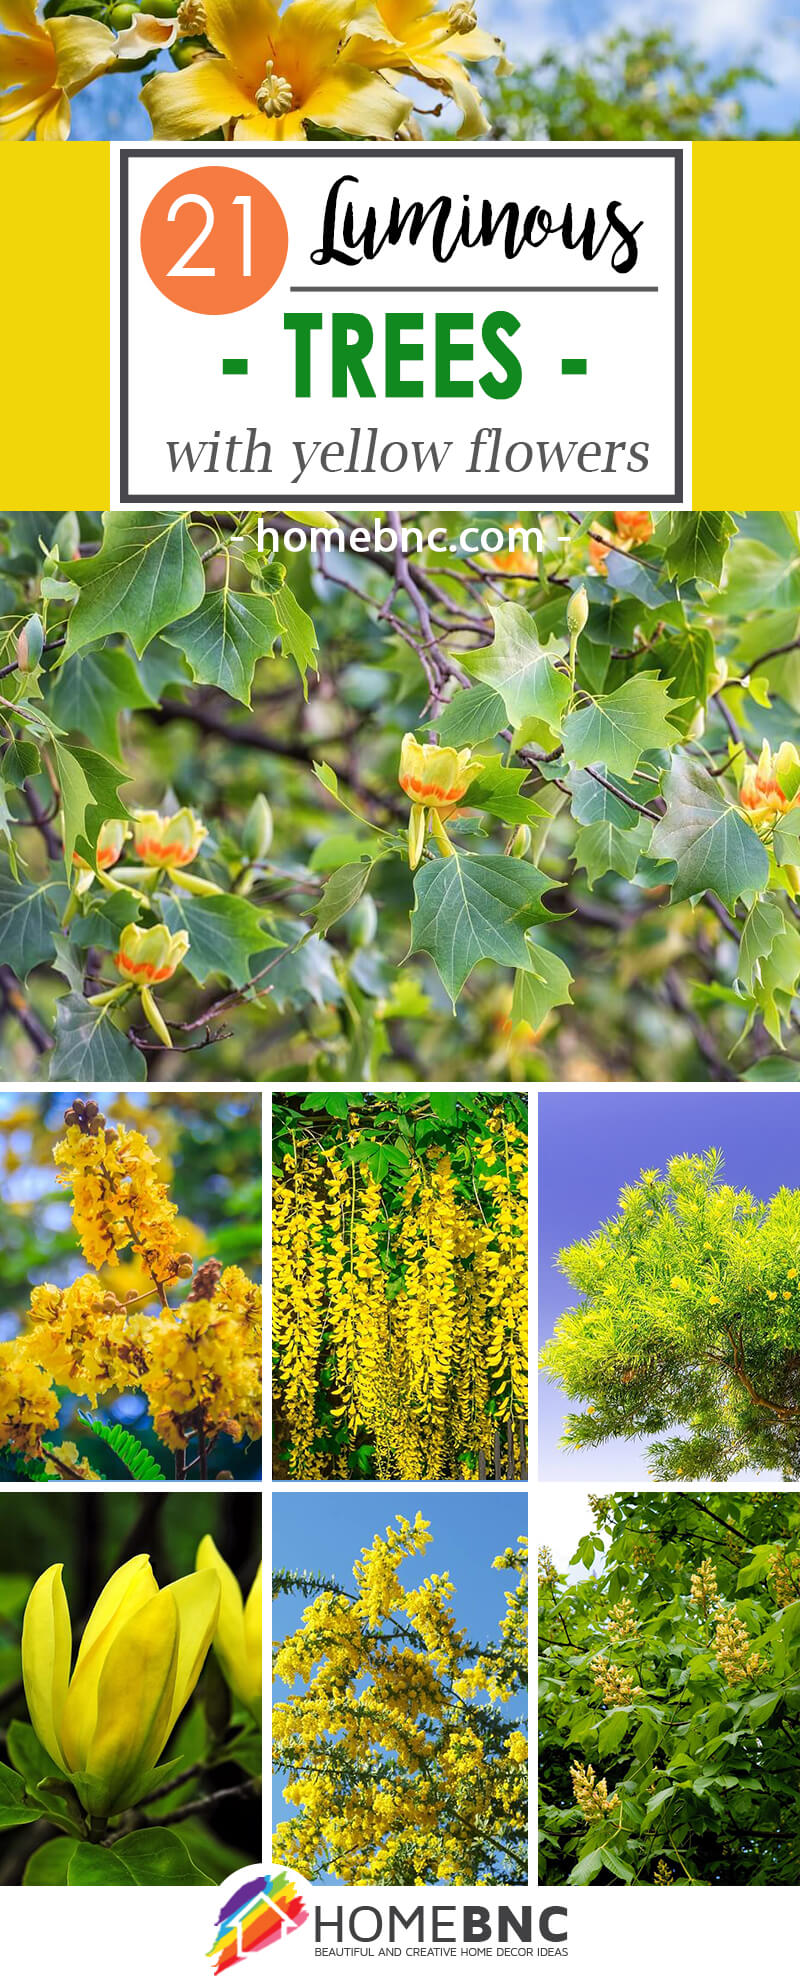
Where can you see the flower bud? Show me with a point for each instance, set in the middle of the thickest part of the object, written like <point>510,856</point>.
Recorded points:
<point>578,611</point>
<point>257,830</point>
<point>149,955</point>
<point>521,841</point>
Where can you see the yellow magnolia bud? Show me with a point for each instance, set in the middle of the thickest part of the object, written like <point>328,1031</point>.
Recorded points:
<point>140,1657</point>
<point>237,1640</point>
<point>578,611</point>
<point>168,841</point>
<point>147,956</point>
<point>436,775</point>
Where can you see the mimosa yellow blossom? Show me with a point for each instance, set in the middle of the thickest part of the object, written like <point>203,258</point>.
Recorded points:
<point>274,74</point>
<point>237,1638</point>
<point>140,1656</point>
<point>43,64</point>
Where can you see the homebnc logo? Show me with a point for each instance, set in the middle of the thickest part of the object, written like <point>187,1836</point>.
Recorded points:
<point>258,1912</point>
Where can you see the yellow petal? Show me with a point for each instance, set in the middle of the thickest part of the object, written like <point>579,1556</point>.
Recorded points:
<point>124,1595</point>
<point>352,100</point>
<point>192,101</point>
<point>144,34</point>
<point>243,30</point>
<point>54,122</point>
<point>134,1704</point>
<point>83,48</point>
<point>253,1618</point>
<point>46,1656</point>
<point>26,61</point>
<point>20,109</point>
<point>229,1643</point>
<point>197,1599</point>
<point>19,16</point>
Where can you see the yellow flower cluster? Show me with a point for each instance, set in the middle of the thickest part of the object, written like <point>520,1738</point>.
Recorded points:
<point>616,1686</point>
<point>704,1589</point>
<point>198,1365</point>
<point>591,1795</point>
<point>738,1662</point>
<point>784,1573</point>
<point>410,1329</point>
<point>622,1622</point>
<point>548,1574</point>
<point>662,1873</point>
<point>395,1780</point>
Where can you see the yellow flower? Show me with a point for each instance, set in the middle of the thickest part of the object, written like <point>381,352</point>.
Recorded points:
<point>421,40</point>
<point>43,64</point>
<point>237,1641</point>
<point>140,1657</point>
<point>148,956</point>
<point>772,787</point>
<point>273,75</point>
<point>168,840</point>
<point>436,775</point>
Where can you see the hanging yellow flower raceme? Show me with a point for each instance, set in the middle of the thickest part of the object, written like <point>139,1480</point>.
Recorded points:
<point>237,1637</point>
<point>45,63</point>
<point>272,75</point>
<point>140,1657</point>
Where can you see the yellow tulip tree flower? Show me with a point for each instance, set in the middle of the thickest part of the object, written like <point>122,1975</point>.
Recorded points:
<point>45,63</point>
<point>148,954</point>
<point>272,75</point>
<point>432,44</point>
<point>237,1639</point>
<point>140,1657</point>
<point>772,787</point>
<point>435,777</point>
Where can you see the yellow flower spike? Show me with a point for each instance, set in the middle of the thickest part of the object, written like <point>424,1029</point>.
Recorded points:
<point>46,1653</point>
<point>169,841</point>
<point>273,74</point>
<point>43,64</point>
<point>237,1641</point>
<point>147,956</point>
<point>139,1660</point>
<point>436,776</point>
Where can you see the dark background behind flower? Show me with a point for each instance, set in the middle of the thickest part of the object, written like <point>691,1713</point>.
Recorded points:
<point>210,1146</point>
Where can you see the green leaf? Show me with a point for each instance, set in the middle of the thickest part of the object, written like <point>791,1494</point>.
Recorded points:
<point>224,933</point>
<point>521,670</point>
<point>15,1807</point>
<point>474,907</point>
<point>89,692</point>
<point>92,1866</point>
<point>497,791</point>
<point>588,1867</point>
<point>604,847</point>
<point>471,716</point>
<point>298,634</point>
<point>697,544</point>
<point>687,659</point>
<point>88,1047</point>
<point>50,1863</point>
<point>225,637</point>
<point>762,1707</point>
<point>542,985</point>
<point>146,574</point>
<point>773,1069</point>
<point>89,795</point>
<point>763,924</point>
<point>705,835</point>
<point>612,1732</point>
<point>26,1754</point>
<point>341,892</point>
<point>157,1856</point>
<point>615,730</point>
<point>131,1452</point>
<point>30,916</point>
<point>618,1868</point>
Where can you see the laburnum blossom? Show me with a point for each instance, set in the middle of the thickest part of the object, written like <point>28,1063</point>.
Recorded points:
<point>202,1364</point>
<point>771,788</point>
<point>376,1707</point>
<point>431,43</point>
<point>273,74</point>
<point>43,64</point>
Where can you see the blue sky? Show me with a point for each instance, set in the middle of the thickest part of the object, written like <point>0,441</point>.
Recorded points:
<point>724,30</point>
<point>592,1145</point>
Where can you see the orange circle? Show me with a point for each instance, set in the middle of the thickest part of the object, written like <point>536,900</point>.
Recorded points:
<point>217,220</point>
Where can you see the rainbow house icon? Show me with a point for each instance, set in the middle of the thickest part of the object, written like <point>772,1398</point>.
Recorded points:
<point>259,1913</point>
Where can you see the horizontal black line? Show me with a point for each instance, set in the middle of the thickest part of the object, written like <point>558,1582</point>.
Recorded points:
<point>475,289</point>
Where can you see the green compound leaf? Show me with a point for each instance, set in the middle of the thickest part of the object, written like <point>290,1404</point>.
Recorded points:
<point>544,984</point>
<point>703,833</point>
<point>521,670</point>
<point>131,1452</point>
<point>225,637</point>
<point>224,933</point>
<point>615,730</point>
<point>89,1047</point>
<point>146,574</point>
<point>30,917</point>
<point>474,907</point>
